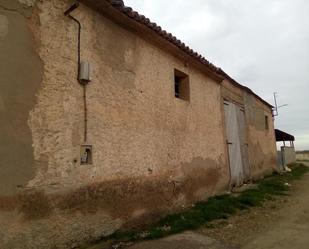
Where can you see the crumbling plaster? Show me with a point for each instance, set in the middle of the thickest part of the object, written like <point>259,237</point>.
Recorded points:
<point>21,73</point>
<point>153,153</point>
<point>135,123</point>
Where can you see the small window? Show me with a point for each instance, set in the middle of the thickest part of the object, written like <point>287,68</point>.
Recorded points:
<point>182,89</point>
<point>266,123</point>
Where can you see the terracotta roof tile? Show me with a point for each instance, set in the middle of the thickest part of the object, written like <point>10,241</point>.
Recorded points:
<point>119,5</point>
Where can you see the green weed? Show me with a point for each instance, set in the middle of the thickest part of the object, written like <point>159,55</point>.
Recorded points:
<point>219,207</point>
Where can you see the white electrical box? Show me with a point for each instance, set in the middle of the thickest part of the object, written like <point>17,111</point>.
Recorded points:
<point>85,72</point>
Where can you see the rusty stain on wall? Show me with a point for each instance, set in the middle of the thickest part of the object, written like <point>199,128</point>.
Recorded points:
<point>120,198</point>
<point>134,201</point>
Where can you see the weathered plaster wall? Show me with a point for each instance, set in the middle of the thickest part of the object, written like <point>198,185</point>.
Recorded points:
<point>262,142</point>
<point>232,93</point>
<point>21,73</point>
<point>153,153</point>
<point>134,119</point>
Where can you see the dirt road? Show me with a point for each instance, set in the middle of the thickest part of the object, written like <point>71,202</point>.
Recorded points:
<point>283,223</point>
<point>291,228</point>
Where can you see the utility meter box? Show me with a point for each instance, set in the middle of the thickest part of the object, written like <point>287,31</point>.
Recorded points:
<point>84,72</point>
<point>86,155</point>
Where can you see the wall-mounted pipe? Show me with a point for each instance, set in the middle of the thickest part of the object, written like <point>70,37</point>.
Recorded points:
<point>68,14</point>
<point>82,82</point>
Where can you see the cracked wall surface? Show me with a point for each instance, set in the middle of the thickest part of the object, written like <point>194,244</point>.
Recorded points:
<point>152,153</point>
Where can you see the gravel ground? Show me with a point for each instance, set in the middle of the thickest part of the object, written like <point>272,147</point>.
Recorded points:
<point>281,223</point>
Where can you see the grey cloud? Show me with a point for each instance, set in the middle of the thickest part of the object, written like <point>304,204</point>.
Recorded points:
<point>262,44</point>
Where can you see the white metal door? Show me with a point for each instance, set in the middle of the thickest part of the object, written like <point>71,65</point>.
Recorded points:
<point>236,142</point>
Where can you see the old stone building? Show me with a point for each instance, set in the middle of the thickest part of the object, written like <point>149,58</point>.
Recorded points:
<point>155,127</point>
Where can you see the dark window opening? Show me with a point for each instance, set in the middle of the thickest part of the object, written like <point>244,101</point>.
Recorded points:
<point>177,85</point>
<point>181,82</point>
<point>266,123</point>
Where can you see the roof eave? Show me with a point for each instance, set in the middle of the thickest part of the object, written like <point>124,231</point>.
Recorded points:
<point>150,32</point>
<point>126,17</point>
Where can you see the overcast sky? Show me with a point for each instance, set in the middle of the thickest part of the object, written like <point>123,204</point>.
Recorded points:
<point>262,44</point>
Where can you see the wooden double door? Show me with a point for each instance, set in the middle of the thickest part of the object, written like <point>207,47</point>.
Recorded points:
<point>237,143</point>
